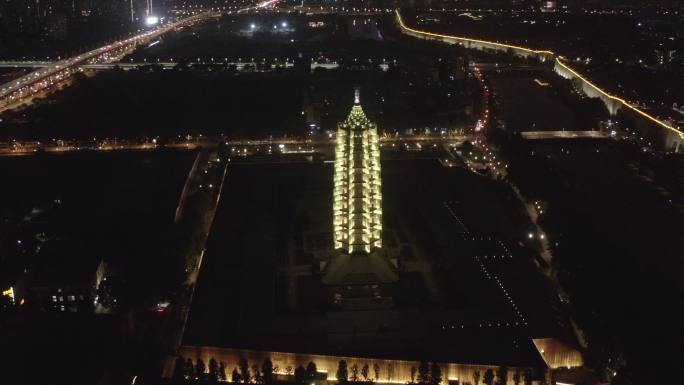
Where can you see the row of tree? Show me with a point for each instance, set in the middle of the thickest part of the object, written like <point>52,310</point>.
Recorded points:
<point>186,370</point>
<point>424,374</point>
<point>354,374</point>
<point>500,376</point>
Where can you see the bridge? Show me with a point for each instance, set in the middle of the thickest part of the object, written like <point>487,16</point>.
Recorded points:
<point>674,136</point>
<point>49,74</point>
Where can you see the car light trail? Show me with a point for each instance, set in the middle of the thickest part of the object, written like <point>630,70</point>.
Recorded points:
<point>267,3</point>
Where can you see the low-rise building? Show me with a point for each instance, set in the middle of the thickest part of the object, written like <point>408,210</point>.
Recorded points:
<point>65,277</point>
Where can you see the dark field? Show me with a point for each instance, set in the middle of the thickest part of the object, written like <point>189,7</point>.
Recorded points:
<point>536,99</point>
<point>138,104</point>
<point>528,106</point>
<point>120,204</point>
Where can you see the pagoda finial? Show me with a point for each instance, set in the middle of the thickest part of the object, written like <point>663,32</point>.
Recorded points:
<point>357,97</point>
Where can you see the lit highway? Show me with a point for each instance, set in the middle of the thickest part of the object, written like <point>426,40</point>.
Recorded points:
<point>21,89</point>
<point>239,65</point>
<point>50,74</point>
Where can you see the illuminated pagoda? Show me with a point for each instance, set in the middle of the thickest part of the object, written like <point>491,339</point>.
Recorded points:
<point>357,205</point>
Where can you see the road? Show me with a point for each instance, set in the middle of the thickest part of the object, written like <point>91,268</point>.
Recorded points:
<point>202,192</point>
<point>243,146</point>
<point>52,74</point>
<point>542,135</point>
<point>252,66</point>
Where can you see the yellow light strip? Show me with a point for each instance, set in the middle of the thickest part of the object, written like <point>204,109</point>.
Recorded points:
<point>403,26</point>
<point>9,293</point>
<point>541,83</point>
<point>558,60</point>
<point>622,101</point>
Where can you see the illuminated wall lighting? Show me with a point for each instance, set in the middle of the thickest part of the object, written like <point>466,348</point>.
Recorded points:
<point>9,293</point>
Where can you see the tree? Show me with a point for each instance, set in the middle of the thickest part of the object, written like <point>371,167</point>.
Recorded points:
<point>300,375</point>
<point>424,373</point>
<point>414,370</point>
<point>311,372</point>
<point>527,375</point>
<point>466,148</point>
<point>213,370</point>
<point>235,376</point>
<point>488,377</point>
<point>200,370</point>
<point>502,375</point>
<point>435,374</point>
<point>256,373</point>
<point>354,373</point>
<point>244,370</point>
<point>516,377</point>
<point>476,377</point>
<point>189,369</point>
<point>179,369</point>
<point>342,372</point>
<point>267,370</point>
<point>376,371</point>
<point>364,372</point>
<point>222,371</point>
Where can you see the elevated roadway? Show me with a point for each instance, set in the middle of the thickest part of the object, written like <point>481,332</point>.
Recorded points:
<point>24,64</point>
<point>49,74</point>
<point>239,65</point>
